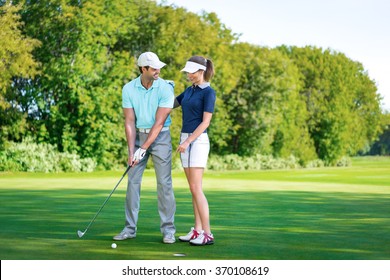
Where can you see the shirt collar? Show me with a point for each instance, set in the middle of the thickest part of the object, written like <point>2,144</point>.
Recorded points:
<point>203,86</point>
<point>155,84</point>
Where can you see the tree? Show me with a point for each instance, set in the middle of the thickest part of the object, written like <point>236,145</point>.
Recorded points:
<point>284,101</point>
<point>86,57</point>
<point>342,102</point>
<point>16,62</point>
<point>266,108</point>
<point>176,39</point>
<point>382,145</point>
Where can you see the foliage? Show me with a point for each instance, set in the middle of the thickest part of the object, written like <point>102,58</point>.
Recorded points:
<point>271,118</point>
<point>67,61</point>
<point>256,162</point>
<point>78,94</point>
<point>184,27</point>
<point>265,162</point>
<point>382,145</point>
<point>343,106</point>
<point>31,157</point>
<point>15,60</point>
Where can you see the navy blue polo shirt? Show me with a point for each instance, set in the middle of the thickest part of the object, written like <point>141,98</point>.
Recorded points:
<point>196,100</point>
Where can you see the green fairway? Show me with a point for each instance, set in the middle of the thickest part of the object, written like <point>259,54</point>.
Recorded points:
<point>321,214</point>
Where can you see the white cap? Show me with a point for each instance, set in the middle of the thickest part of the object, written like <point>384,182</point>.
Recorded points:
<point>150,59</point>
<point>192,67</point>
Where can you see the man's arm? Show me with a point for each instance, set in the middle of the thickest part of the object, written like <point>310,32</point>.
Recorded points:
<point>161,116</point>
<point>162,113</point>
<point>130,132</point>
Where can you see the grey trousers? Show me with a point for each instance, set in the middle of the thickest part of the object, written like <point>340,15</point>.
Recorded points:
<point>161,153</point>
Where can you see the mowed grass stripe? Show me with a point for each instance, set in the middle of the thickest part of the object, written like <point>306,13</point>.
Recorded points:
<point>266,218</point>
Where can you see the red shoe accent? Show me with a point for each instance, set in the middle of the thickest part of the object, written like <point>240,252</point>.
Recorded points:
<point>208,239</point>
<point>195,234</point>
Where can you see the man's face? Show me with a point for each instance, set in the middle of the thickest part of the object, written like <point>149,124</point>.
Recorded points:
<point>151,73</point>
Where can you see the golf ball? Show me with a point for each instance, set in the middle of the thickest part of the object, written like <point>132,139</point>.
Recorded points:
<point>179,255</point>
<point>113,245</point>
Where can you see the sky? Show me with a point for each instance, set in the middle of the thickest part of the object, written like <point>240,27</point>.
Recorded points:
<point>359,29</point>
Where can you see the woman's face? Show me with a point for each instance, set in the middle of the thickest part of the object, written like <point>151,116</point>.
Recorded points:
<point>196,78</point>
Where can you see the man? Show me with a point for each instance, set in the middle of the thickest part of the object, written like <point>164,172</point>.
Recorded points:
<point>147,102</point>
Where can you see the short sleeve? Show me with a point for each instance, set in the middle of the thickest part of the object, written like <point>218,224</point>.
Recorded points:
<point>167,96</point>
<point>126,101</point>
<point>209,101</point>
<point>179,98</point>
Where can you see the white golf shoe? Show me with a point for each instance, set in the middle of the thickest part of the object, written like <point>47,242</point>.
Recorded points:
<point>191,235</point>
<point>169,238</point>
<point>203,239</point>
<point>123,236</point>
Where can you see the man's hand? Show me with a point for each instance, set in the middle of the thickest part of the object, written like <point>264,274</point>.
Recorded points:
<point>139,155</point>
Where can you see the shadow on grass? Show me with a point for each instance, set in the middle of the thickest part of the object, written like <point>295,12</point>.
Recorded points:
<point>42,224</point>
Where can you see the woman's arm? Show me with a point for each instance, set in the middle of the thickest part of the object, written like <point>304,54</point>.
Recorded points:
<point>198,131</point>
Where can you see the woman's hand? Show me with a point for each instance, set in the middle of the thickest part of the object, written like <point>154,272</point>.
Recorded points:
<point>183,146</point>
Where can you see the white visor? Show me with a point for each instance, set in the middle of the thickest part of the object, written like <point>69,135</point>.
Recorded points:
<point>192,67</point>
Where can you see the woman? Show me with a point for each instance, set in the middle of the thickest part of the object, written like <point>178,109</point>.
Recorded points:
<point>197,103</point>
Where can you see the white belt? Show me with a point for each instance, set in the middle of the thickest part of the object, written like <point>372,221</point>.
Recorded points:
<point>147,130</point>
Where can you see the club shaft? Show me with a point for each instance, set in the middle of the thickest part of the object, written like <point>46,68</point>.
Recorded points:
<point>104,203</point>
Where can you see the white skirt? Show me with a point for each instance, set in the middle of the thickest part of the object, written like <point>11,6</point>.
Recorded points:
<point>197,153</point>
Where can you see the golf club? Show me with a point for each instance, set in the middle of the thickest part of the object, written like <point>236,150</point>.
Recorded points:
<point>81,233</point>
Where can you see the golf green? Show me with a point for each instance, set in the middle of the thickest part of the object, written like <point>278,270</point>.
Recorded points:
<point>306,214</point>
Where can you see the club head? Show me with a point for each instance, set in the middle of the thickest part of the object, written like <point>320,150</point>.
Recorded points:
<point>80,233</point>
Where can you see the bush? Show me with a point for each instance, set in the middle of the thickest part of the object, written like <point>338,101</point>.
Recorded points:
<point>315,163</point>
<point>344,161</point>
<point>31,157</point>
<point>256,162</point>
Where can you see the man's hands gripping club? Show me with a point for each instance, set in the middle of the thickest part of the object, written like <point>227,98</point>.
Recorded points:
<point>138,156</point>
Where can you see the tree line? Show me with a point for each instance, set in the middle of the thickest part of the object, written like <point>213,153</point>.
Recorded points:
<point>63,65</point>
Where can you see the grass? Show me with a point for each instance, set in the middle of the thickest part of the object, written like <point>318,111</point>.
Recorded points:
<point>317,214</point>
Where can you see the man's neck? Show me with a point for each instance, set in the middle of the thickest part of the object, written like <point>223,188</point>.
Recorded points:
<point>146,83</point>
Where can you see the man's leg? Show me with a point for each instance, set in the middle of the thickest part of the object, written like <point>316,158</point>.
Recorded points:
<point>132,203</point>
<point>162,159</point>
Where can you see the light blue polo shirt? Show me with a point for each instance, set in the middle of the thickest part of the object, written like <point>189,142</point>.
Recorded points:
<point>146,102</point>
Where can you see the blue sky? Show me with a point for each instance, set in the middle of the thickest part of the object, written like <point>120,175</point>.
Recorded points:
<point>359,29</point>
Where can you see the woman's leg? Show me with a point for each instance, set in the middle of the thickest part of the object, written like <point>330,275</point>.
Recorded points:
<point>201,207</point>
<point>198,223</point>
